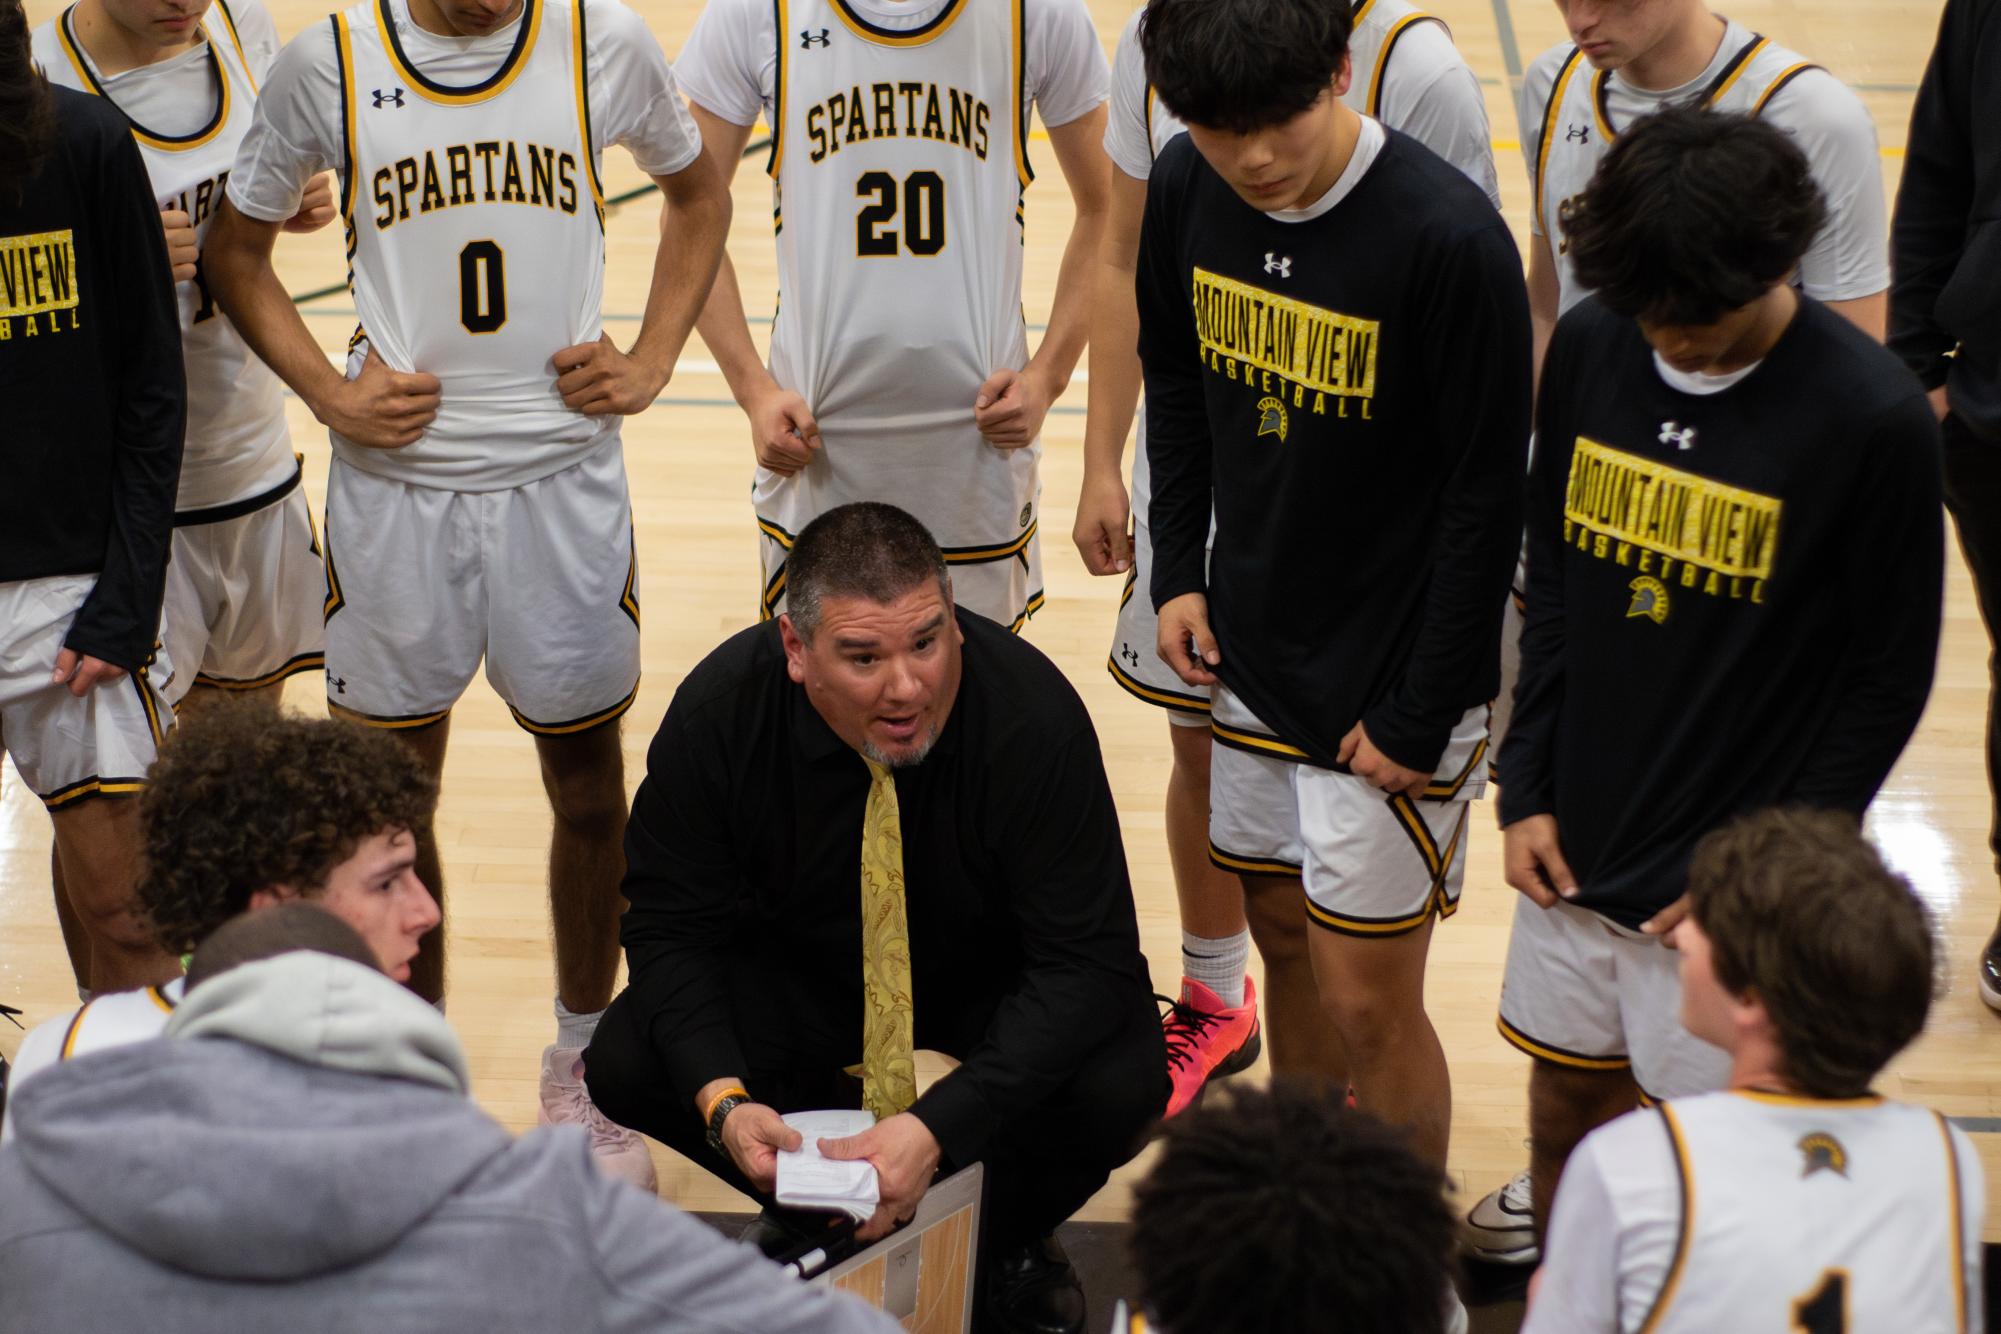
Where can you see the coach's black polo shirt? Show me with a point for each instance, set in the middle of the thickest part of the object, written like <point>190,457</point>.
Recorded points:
<point>744,863</point>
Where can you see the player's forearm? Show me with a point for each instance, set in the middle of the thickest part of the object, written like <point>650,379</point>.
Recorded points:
<point>237,262</point>
<point>1545,299</point>
<point>693,228</point>
<point>1115,373</point>
<point>727,334</point>
<point>1070,315</point>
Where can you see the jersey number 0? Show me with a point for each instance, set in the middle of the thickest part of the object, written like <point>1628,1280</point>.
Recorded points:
<point>923,201</point>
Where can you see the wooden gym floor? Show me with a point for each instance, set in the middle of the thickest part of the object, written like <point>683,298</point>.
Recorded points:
<point>690,465</point>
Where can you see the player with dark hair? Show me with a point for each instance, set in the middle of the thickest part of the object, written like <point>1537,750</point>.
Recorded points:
<point>1310,283</point>
<point>244,810</point>
<point>90,370</point>
<point>1735,572</point>
<point>1410,77</point>
<point>1279,1211</point>
<point>1799,1199</point>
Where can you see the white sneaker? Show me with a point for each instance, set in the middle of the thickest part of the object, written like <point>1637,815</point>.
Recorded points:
<point>621,1153</point>
<point>1501,1227</point>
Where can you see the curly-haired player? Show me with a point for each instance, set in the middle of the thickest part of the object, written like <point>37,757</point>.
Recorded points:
<point>1282,1210</point>
<point>243,810</point>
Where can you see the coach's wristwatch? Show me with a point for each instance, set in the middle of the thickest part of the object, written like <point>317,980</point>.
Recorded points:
<point>726,1104</point>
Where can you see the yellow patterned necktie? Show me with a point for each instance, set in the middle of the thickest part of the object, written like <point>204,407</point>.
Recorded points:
<point>889,1061</point>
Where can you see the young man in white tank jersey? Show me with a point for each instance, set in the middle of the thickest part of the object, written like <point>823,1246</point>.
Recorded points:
<point>1799,1198</point>
<point>477,506</point>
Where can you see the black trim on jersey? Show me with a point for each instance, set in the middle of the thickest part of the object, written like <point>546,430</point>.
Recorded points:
<point>938,20</point>
<point>1020,97</point>
<point>346,152</point>
<point>214,66</point>
<point>235,33</point>
<point>1549,119</point>
<point>1389,49</point>
<point>777,100</point>
<point>1779,87</point>
<point>409,66</point>
<point>236,509</point>
<point>1701,99</point>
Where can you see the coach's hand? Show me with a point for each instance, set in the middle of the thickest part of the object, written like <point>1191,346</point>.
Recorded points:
<point>753,1134</point>
<point>782,430</point>
<point>1102,531</point>
<point>905,1156</point>
<point>1010,408</point>
<point>381,408</point>
<point>598,380</point>
<point>316,206</point>
<point>1185,620</point>
<point>82,673</point>
<point>1375,768</point>
<point>1532,857</point>
<point>182,250</point>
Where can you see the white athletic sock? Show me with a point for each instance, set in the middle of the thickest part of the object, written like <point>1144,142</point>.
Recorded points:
<point>574,1030</point>
<point>1218,964</point>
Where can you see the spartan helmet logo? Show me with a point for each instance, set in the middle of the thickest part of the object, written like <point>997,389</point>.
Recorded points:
<point>1822,1152</point>
<point>392,98</point>
<point>1279,264</point>
<point>1272,419</point>
<point>1650,599</point>
<point>810,39</point>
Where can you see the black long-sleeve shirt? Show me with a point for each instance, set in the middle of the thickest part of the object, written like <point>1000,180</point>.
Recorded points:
<point>1733,598</point>
<point>1352,392</point>
<point>743,868</point>
<point>1945,240</point>
<point>90,373</point>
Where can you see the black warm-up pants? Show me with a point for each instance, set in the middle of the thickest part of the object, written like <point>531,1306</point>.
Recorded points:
<point>1973,494</point>
<point>1041,1168</point>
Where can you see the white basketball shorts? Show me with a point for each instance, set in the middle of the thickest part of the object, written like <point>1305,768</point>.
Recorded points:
<point>540,580</point>
<point>69,749</point>
<point>1372,863</point>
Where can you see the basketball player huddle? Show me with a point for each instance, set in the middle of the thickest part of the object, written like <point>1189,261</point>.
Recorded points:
<point>1287,234</point>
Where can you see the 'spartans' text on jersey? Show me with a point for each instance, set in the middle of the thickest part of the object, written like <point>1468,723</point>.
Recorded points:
<point>486,172</point>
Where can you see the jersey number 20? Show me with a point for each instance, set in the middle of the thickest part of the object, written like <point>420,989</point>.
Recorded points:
<point>923,200</point>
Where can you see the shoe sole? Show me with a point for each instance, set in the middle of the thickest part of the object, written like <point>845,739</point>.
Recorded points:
<point>1245,1056</point>
<point>1990,995</point>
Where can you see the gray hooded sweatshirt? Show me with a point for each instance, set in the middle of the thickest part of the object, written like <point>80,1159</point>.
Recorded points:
<point>299,1155</point>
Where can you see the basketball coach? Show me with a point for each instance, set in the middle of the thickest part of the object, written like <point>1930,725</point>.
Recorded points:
<point>873,825</point>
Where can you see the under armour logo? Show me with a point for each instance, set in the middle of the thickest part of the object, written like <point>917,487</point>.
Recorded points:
<point>1126,652</point>
<point>809,39</point>
<point>1577,134</point>
<point>1279,264</point>
<point>339,683</point>
<point>392,98</point>
<point>1674,433</point>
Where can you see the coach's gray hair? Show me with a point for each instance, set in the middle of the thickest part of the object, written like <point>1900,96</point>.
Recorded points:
<point>866,550</point>
<point>282,928</point>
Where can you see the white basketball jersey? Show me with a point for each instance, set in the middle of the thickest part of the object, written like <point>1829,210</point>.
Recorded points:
<point>237,444</point>
<point>1578,129</point>
<point>1823,1217</point>
<point>121,1018</point>
<point>899,162</point>
<point>475,243</point>
<point>1379,25</point>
